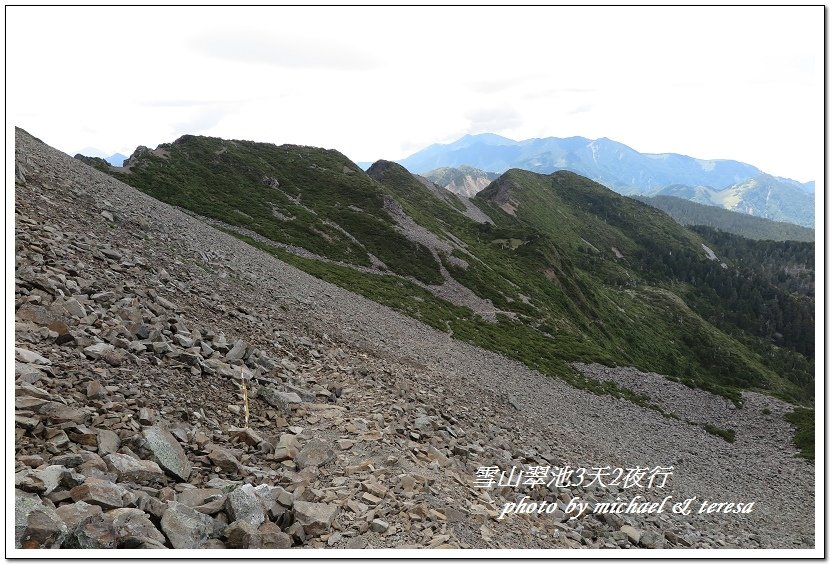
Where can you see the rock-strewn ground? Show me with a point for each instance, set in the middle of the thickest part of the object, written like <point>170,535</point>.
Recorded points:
<point>136,325</point>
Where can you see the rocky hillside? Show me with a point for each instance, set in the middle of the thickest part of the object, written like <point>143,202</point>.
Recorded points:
<point>140,331</point>
<point>545,269</point>
<point>464,180</point>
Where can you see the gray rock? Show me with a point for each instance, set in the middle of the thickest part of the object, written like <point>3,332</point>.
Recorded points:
<point>194,497</point>
<point>238,350</point>
<point>315,453</point>
<point>632,533</point>
<point>357,542</point>
<point>54,476</point>
<point>94,390</point>
<point>28,373</point>
<point>278,399</point>
<point>60,413</point>
<point>651,539</point>
<point>224,459</point>
<point>423,424</point>
<point>73,514</point>
<point>95,532</point>
<point>30,357</point>
<point>167,451</point>
<point>98,350</point>
<point>242,504</point>
<point>185,527</point>
<point>74,308</point>
<point>108,442</point>
<point>129,522</point>
<point>149,504</point>
<point>131,469</point>
<point>379,526</point>
<point>183,340</point>
<point>242,534</point>
<point>304,395</point>
<point>70,460</point>
<point>35,524</point>
<point>273,537</point>
<point>99,492</point>
<point>315,518</point>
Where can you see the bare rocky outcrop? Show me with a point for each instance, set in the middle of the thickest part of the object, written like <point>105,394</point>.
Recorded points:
<point>366,429</point>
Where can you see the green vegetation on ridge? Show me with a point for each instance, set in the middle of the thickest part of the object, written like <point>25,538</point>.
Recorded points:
<point>579,273</point>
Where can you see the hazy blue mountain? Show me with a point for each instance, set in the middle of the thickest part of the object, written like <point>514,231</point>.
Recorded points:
<point>116,160</point>
<point>604,160</point>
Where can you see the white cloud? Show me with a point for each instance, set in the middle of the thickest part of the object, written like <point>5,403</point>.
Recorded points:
<point>739,82</point>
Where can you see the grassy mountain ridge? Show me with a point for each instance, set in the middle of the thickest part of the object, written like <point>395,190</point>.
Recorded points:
<point>303,196</point>
<point>574,271</point>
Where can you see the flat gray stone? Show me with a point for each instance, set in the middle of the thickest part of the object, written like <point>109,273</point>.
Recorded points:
<point>314,453</point>
<point>130,522</point>
<point>98,350</point>
<point>130,469</point>
<point>242,504</point>
<point>237,352</point>
<point>242,534</point>
<point>108,442</point>
<point>28,373</point>
<point>30,357</point>
<point>276,398</point>
<point>198,496</point>
<point>185,527</point>
<point>72,514</point>
<point>316,518</point>
<point>99,492</point>
<point>167,451</point>
<point>224,459</point>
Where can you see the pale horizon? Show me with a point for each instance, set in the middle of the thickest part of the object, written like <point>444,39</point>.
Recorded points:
<point>356,80</point>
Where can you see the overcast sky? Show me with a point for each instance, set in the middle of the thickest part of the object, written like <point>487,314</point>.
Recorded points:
<point>736,83</point>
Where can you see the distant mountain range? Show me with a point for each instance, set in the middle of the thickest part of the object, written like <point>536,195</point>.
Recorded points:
<point>726,183</point>
<point>116,159</point>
